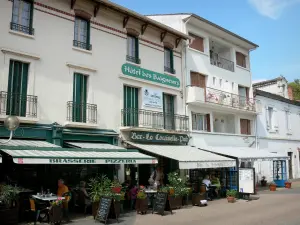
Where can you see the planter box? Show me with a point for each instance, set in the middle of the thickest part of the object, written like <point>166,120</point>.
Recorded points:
<point>175,202</point>
<point>141,205</point>
<point>231,199</point>
<point>9,216</point>
<point>55,214</point>
<point>197,197</point>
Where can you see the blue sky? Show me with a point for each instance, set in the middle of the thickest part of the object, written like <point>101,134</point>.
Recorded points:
<point>272,24</point>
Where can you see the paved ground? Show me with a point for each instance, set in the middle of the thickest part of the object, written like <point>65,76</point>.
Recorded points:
<point>273,208</point>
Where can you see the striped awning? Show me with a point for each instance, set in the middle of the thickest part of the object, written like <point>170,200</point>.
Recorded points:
<point>41,152</point>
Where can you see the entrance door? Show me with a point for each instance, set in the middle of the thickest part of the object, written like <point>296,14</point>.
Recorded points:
<point>131,106</point>
<point>290,154</point>
<point>168,107</point>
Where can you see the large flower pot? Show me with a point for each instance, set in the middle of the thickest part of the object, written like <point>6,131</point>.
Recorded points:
<point>263,183</point>
<point>141,205</point>
<point>9,216</point>
<point>197,197</point>
<point>95,207</point>
<point>231,199</point>
<point>175,202</point>
<point>272,187</point>
<point>55,214</point>
<point>288,184</point>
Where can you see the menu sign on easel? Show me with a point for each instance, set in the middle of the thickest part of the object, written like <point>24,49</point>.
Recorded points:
<point>161,203</point>
<point>103,210</point>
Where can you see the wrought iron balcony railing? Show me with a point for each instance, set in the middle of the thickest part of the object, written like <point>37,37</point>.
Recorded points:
<point>133,59</point>
<point>82,45</point>
<point>228,99</point>
<point>154,120</point>
<point>21,28</point>
<point>170,70</point>
<point>81,112</point>
<point>16,104</point>
<point>223,63</point>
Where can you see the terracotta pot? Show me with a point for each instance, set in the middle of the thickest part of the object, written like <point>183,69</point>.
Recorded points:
<point>272,187</point>
<point>231,199</point>
<point>288,184</point>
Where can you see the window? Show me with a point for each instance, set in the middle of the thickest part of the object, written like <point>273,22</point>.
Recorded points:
<point>169,61</point>
<point>240,59</point>
<point>197,80</point>
<point>198,43</point>
<point>168,109</point>
<point>82,34</point>
<point>245,126</point>
<point>22,16</point>
<point>271,117</point>
<point>214,81</point>
<point>288,121</point>
<point>200,122</point>
<point>221,83</point>
<point>133,49</point>
<point>232,86</point>
<point>17,88</point>
<point>79,98</point>
<point>131,106</point>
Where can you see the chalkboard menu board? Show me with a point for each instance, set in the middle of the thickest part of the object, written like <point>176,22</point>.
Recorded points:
<point>161,203</point>
<point>103,210</point>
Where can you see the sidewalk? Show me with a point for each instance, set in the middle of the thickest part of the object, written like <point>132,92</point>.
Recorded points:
<point>295,184</point>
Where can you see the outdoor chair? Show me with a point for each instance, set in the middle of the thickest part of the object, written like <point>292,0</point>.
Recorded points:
<point>39,212</point>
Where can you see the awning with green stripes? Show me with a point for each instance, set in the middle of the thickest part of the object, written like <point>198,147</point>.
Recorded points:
<point>41,152</point>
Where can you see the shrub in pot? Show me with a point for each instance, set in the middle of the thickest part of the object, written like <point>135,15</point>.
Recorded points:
<point>9,209</point>
<point>231,195</point>
<point>55,211</point>
<point>177,190</point>
<point>141,205</point>
<point>272,186</point>
<point>288,184</point>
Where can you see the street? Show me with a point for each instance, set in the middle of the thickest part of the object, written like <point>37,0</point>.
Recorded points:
<point>278,208</point>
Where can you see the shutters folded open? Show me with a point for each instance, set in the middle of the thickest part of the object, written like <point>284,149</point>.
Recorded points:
<point>41,152</point>
<point>188,157</point>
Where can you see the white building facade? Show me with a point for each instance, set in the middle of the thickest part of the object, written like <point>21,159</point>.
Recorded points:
<point>91,67</point>
<point>278,126</point>
<point>219,93</point>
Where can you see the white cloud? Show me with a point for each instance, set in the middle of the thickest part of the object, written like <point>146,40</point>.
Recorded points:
<point>272,8</point>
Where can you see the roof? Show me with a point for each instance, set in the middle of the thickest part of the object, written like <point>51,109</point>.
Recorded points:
<point>141,17</point>
<point>209,23</point>
<point>268,82</point>
<point>276,97</point>
<point>189,157</point>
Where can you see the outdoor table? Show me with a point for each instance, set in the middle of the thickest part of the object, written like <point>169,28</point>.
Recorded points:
<point>47,198</point>
<point>150,195</point>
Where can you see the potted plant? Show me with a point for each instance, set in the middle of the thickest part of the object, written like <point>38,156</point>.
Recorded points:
<point>9,207</point>
<point>175,190</point>
<point>263,181</point>
<point>231,195</point>
<point>141,205</point>
<point>288,184</point>
<point>55,211</point>
<point>272,186</point>
<point>185,192</point>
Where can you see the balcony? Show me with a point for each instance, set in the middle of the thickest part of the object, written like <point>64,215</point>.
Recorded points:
<point>222,98</point>
<point>217,60</point>
<point>154,120</point>
<point>82,45</point>
<point>21,28</point>
<point>16,104</point>
<point>133,59</point>
<point>81,113</point>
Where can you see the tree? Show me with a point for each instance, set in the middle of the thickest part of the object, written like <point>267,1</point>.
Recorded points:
<point>296,88</point>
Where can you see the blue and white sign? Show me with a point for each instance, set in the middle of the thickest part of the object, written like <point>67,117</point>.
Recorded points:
<point>152,98</point>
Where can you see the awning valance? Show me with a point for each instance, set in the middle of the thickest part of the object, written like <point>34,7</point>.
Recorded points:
<point>248,154</point>
<point>189,157</point>
<point>40,152</point>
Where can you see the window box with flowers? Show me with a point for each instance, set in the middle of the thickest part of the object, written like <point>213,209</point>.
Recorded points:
<point>141,205</point>
<point>55,211</point>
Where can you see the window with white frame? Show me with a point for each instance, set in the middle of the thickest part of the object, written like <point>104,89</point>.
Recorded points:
<point>221,83</point>
<point>288,121</point>
<point>214,81</point>
<point>22,16</point>
<point>200,122</point>
<point>271,119</point>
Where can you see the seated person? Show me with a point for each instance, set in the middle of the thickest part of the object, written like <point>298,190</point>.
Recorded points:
<point>63,189</point>
<point>207,182</point>
<point>215,181</point>
<point>82,188</point>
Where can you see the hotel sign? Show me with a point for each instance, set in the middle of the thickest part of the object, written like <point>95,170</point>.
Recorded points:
<point>140,73</point>
<point>142,136</point>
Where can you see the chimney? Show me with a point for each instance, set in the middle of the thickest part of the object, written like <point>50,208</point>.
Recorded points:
<point>290,93</point>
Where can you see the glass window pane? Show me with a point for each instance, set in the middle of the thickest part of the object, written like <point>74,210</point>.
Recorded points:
<point>167,58</point>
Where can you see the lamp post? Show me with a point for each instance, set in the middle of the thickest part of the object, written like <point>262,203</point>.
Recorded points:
<point>11,123</point>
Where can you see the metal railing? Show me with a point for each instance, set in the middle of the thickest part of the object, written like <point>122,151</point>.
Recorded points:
<point>170,70</point>
<point>223,63</point>
<point>154,120</point>
<point>82,45</point>
<point>81,112</point>
<point>228,99</point>
<point>133,59</point>
<point>21,28</point>
<point>16,104</point>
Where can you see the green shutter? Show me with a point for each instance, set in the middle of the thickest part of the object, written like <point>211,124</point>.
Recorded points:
<point>79,98</point>
<point>23,91</point>
<point>10,89</point>
<point>88,35</point>
<point>171,60</point>
<point>130,117</point>
<point>168,109</point>
<point>83,98</point>
<point>137,61</point>
<point>31,18</point>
